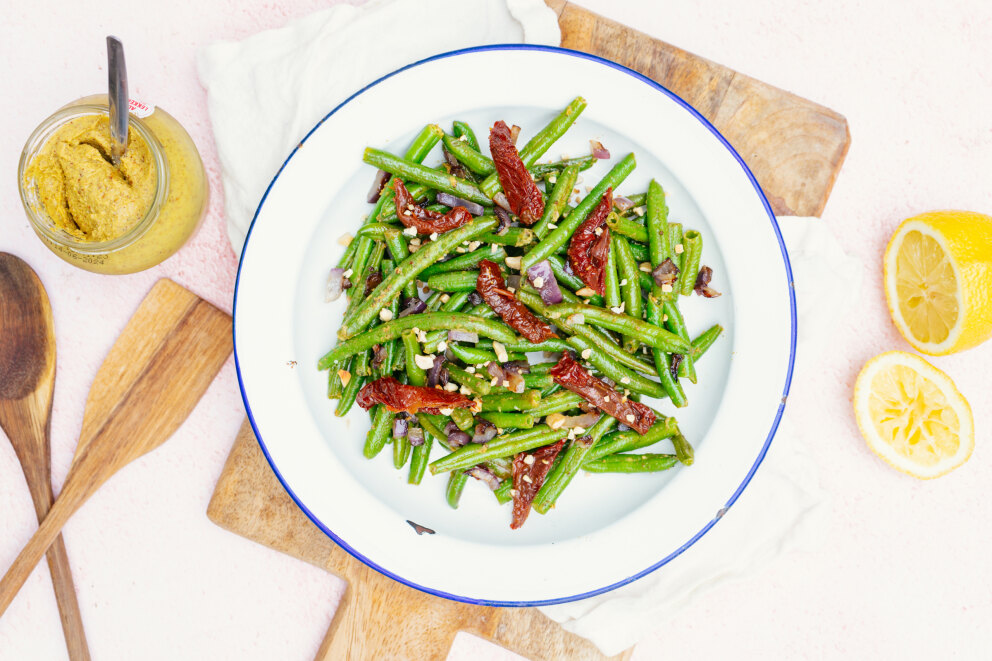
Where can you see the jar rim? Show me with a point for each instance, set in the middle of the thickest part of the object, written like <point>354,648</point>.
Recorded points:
<point>38,215</point>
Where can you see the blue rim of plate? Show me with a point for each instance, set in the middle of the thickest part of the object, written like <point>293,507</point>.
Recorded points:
<point>778,414</point>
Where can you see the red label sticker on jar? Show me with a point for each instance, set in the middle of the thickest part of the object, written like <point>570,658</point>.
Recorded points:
<point>139,109</point>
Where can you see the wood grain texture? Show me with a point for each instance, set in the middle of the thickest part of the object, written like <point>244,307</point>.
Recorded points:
<point>27,383</point>
<point>149,383</point>
<point>378,618</point>
<point>794,147</point>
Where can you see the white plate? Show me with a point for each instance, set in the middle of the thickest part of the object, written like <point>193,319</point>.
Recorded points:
<point>606,530</point>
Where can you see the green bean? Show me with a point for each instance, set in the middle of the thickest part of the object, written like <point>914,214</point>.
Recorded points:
<point>509,420</point>
<point>551,345</point>
<point>455,303</point>
<point>604,343</point>
<point>379,435</point>
<point>705,340</point>
<point>422,145</point>
<point>541,142</point>
<point>627,227</point>
<point>456,484</point>
<point>501,446</point>
<point>377,230</point>
<point>361,262</point>
<point>399,252</point>
<point>510,236</point>
<point>662,361</point>
<point>561,401</point>
<point>640,252</point>
<point>675,323</point>
<point>675,241</point>
<point>566,228</point>
<point>502,492</point>
<point>334,385</point>
<point>391,286</point>
<point>571,460</point>
<point>631,463</point>
<point>419,459</point>
<point>645,332</point>
<point>453,281</point>
<point>557,200</point>
<point>625,441</point>
<point>483,310</point>
<point>355,383</point>
<point>477,384</point>
<point>611,278</point>
<point>630,286</point>
<point>433,428</point>
<point>460,129</point>
<point>392,347</point>
<point>348,256</point>
<point>539,381</point>
<point>476,356</point>
<point>469,156</point>
<point>463,419</point>
<point>434,301</point>
<point>623,376</point>
<point>636,201</point>
<point>427,321</point>
<point>683,450</point>
<point>656,224</point>
<point>436,179</point>
<point>511,401</point>
<point>582,163</point>
<point>469,260</point>
<point>692,243</point>
<point>401,452</point>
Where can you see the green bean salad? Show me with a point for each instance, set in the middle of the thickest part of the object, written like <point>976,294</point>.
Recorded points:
<point>501,325</point>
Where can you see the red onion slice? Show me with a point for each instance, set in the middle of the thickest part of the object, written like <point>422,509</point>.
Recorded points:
<point>598,150</point>
<point>543,278</point>
<point>335,285</point>
<point>458,439</point>
<point>483,474</point>
<point>415,436</point>
<point>665,273</point>
<point>702,285</point>
<point>381,178</point>
<point>485,431</point>
<point>413,306</point>
<point>452,201</point>
<point>514,133</point>
<point>462,336</point>
<point>622,203</point>
<point>495,371</point>
<point>400,427</point>
<point>516,367</point>
<point>501,201</point>
<point>438,375</point>
<point>504,220</point>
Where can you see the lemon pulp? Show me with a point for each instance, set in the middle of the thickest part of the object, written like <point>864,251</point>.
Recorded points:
<point>926,288</point>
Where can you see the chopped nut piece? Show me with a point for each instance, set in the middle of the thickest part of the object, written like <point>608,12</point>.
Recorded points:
<point>345,377</point>
<point>586,292</point>
<point>513,263</point>
<point>667,289</point>
<point>385,314</point>
<point>442,346</point>
<point>424,362</point>
<point>451,386</point>
<point>446,411</point>
<point>445,298</point>
<point>345,239</point>
<point>538,282</point>
<point>679,249</point>
<point>500,352</point>
<point>555,420</point>
<point>586,353</point>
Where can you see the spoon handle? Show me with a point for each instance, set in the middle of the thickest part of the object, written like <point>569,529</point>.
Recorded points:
<point>65,597</point>
<point>65,506</point>
<point>117,80</point>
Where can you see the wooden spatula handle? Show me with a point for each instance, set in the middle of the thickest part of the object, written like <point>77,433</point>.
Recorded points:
<point>43,538</point>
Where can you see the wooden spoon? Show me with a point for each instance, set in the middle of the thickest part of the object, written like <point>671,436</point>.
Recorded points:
<point>27,381</point>
<point>151,380</point>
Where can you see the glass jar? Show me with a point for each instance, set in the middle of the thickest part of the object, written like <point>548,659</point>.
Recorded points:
<point>178,193</point>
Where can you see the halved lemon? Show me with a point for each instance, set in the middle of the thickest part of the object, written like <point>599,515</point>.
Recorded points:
<point>938,280</point>
<point>912,415</point>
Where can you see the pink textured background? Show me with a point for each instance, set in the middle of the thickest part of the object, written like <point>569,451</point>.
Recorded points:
<point>904,570</point>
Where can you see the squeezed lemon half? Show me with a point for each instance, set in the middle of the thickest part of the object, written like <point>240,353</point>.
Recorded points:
<point>912,415</point>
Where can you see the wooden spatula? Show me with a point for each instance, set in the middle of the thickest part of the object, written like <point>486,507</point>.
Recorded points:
<point>27,382</point>
<point>149,383</point>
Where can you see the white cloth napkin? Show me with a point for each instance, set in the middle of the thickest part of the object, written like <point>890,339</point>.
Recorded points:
<point>266,92</point>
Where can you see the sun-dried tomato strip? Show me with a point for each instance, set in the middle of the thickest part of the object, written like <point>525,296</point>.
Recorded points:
<point>521,191</point>
<point>397,397</point>
<point>569,374</point>
<point>529,472</point>
<point>424,220</point>
<point>493,289</point>
<point>589,251</point>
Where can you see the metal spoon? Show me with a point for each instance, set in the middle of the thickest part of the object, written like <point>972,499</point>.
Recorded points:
<point>27,379</point>
<point>117,79</point>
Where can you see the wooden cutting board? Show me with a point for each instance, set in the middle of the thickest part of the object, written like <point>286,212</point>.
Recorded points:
<point>795,149</point>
